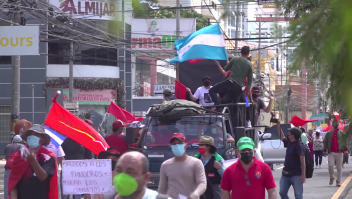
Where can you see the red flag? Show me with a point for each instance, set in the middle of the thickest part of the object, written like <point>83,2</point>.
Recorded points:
<point>122,114</point>
<point>64,122</point>
<point>193,61</point>
<point>180,90</point>
<point>117,112</point>
<point>296,121</point>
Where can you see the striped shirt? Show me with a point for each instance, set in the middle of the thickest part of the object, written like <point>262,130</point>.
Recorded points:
<point>240,69</point>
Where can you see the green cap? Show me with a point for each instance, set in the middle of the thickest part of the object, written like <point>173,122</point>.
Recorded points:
<point>245,143</point>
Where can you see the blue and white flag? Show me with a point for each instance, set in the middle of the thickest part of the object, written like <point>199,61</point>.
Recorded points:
<point>56,138</point>
<point>206,43</point>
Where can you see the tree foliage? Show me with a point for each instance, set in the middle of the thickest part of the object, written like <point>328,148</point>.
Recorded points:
<point>140,11</point>
<point>322,29</point>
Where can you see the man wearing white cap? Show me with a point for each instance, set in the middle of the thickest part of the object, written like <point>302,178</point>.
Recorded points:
<point>139,128</point>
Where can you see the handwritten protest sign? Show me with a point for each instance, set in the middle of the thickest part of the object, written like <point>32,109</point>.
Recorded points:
<point>86,176</point>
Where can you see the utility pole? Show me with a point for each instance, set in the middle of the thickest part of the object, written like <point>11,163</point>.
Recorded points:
<point>237,13</point>
<point>259,46</point>
<point>71,69</point>
<point>16,64</point>
<point>289,92</point>
<point>177,32</point>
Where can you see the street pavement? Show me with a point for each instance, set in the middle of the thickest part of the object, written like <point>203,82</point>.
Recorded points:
<point>316,187</point>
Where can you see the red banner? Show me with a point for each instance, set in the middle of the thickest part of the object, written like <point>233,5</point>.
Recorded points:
<point>122,114</point>
<point>64,122</point>
<point>180,90</point>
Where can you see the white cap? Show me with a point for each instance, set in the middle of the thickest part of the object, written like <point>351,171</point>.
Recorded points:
<point>137,125</point>
<point>17,139</point>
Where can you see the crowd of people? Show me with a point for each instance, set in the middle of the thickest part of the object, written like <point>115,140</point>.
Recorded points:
<point>33,162</point>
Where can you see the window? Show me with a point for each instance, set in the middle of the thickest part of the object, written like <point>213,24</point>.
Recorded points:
<point>146,76</point>
<point>59,51</point>
<point>5,59</point>
<point>5,123</point>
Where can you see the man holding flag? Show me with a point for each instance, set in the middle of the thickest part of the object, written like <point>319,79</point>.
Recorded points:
<point>240,69</point>
<point>34,170</point>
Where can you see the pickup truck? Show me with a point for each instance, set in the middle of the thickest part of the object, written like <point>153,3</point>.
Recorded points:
<point>193,125</point>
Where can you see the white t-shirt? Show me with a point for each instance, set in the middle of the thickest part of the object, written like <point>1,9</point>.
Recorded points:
<point>204,97</point>
<point>59,153</point>
<point>150,194</point>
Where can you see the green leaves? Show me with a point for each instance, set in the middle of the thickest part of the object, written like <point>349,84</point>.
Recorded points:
<point>323,34</point>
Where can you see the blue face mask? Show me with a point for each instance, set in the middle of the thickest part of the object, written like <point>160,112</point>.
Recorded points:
<point>213,131</point>
<point>33,141</point>
<point>178,149</point>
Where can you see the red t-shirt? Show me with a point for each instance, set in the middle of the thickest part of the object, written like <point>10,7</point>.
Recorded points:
<point>259,175</point>
<point>117,142</point>
<point>335,142</point>
<point>162,139</point>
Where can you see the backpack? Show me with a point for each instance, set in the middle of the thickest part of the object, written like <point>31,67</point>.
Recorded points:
<point>309,162</point>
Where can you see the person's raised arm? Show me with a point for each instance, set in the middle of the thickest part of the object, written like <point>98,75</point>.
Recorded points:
<point>228,65</point>
<point>223,72</point>
<point>139,142</point>
<point>279,131</point>
<point>268,108</point>
<point>38,170</point>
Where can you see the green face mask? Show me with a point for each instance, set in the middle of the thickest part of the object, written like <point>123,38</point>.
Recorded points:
<point>125,184</point>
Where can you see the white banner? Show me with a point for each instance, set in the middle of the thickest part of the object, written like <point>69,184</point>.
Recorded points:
<point>86,176</point>
<point>19,40</point>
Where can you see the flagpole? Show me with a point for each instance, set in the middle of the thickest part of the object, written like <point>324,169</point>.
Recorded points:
<point>103,119</point>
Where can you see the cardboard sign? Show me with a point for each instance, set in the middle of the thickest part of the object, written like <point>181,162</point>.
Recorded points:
<point>86,176</point>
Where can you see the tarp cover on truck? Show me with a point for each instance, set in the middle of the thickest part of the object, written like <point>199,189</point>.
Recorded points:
<point>176,108</point>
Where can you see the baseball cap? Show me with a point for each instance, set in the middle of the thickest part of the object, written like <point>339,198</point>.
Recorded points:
<point>110,151</point>
<point>118,123</point>
<point>245,143</point>
<point>295,131</point>
<point>178,136</point>
<point>167,91</point>
<point>137,125</point>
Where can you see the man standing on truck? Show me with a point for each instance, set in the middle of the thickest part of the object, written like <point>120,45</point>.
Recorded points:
<point>182,174</point>
<point>202,93</point>
<point>240,69</point>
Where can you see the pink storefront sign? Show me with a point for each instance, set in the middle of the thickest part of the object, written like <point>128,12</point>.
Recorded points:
<point>96,97</point>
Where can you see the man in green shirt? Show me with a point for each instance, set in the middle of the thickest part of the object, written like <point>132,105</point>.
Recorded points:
<point>240,68</point>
